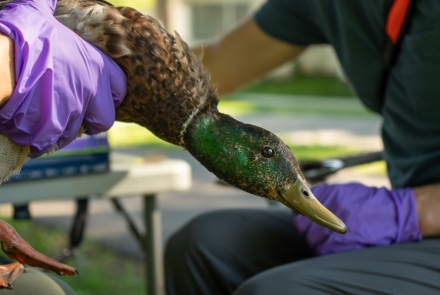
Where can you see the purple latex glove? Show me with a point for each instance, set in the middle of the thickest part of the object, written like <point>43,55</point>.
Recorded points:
<point>62,81</point>
<point>374,217</point>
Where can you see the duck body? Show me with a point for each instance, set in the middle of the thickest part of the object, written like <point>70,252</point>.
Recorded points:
<point>169,93</point>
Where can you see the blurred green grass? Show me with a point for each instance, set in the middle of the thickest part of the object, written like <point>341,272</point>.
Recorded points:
<point>297,95</point>
<point>307,153</point>
<point>303,85</point>
<point>101,271</point>
<point>247,103</point>
<point>140,5</point>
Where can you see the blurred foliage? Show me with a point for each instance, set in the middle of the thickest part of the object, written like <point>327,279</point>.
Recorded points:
<point>374,169</point>
<point>306,153</point>
<point>100,271</point>
<point>321,86</point>
<point>248,103</point>
<point>140,5</point>
<point>130,134</point>
<point>309,153</point>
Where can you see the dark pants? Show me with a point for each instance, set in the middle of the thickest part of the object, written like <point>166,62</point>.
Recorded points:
<point>259,252</point>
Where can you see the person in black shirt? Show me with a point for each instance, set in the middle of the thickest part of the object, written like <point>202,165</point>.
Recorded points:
<point>260,252</point>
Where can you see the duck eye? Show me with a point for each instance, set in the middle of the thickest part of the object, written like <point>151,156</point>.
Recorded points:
<point>267,152</point>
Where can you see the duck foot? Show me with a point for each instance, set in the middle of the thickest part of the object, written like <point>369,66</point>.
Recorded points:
<point>8,273</point>
<point>18,249</point>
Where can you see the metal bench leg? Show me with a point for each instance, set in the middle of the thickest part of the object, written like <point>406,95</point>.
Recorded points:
<point>153,247</point>
<point>77,230</point>
<point>150,242</point>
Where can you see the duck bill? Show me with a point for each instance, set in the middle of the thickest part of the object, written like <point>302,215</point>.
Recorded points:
<point>299,198</point>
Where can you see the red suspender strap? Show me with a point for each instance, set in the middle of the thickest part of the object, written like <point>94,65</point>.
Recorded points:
<point>394,25</point>
<point>396,19</point>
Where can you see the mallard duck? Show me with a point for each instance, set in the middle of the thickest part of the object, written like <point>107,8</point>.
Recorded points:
<point>169,93</point>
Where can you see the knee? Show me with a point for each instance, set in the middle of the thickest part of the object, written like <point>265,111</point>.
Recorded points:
<point>192,253</point>
<point>196,232</point>
<point>38,283</point>
<point>202,233</point>
<point>289,279</point>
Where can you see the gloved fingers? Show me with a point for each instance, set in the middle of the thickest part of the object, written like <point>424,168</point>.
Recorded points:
<point>62,80</point>
<point>374,217</point>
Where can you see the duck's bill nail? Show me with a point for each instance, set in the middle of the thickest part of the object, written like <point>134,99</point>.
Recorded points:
<point>299,198</point>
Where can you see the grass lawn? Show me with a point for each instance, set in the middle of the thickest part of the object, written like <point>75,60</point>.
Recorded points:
<point>320,86</point>
<point>300,95</point>
<point>315,153</point>
<point>306,153</point>
<point>140,5</point>
<point>248,103</point>
<point>101,271</point>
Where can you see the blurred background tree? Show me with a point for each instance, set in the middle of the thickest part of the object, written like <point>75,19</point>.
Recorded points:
<point>141,5</point>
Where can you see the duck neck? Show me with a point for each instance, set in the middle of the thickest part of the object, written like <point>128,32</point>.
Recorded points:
<point>214,140</point>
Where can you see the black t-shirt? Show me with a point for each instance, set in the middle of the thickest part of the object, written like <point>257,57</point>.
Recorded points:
<point>356,30</point>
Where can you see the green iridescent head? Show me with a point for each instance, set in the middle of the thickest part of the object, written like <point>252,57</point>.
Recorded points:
<point>256,161</point>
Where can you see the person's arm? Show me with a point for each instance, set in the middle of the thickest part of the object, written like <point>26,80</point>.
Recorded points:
<point>428,209</point>
<point>374,216</point>
<point>243,55</point>
<point>7,69</point>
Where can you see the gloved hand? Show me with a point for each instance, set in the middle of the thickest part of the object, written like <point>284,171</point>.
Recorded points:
<point>374,217</point>
<point>61,80</point>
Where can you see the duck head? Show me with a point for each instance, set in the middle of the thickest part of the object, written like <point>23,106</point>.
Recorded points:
<point>256,161</point>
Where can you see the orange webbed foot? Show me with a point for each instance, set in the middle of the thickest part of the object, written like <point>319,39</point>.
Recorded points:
<point>18,249</point>
<point>8,273</point>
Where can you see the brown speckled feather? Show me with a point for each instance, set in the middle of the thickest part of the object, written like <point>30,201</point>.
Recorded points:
<point>167,84</point>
